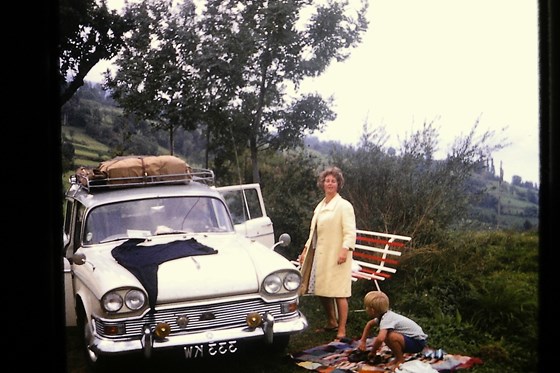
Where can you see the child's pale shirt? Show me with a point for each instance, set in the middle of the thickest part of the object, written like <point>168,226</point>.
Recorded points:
<point>402,325</point>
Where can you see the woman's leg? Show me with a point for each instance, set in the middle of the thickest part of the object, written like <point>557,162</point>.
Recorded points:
<point>342,308</point>
<point>328,305</point>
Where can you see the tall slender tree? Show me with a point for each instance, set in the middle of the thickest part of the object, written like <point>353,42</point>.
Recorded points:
<point>157,78</point>
<point>235,68</point>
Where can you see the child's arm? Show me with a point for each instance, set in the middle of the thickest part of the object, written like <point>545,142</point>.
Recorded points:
<point>365,333</point>
<point>378,341</point>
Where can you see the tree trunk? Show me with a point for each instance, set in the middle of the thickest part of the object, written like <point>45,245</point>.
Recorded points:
<point>255,160</point>
<point>171,139</point>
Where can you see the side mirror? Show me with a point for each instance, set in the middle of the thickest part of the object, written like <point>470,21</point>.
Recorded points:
<point>79,259</point>
<point>284,240</point>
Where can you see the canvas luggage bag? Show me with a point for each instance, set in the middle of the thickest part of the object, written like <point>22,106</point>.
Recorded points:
<point>135,169</point>
<point>88,176</point>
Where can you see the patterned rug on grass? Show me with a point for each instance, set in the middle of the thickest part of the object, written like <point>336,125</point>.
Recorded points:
<point>333,357</point>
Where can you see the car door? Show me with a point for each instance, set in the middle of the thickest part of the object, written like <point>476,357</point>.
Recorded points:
<point>247,209</point>
<point>68,231</point>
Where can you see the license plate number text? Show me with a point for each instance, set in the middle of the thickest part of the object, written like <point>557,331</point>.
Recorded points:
<point>210,349</point>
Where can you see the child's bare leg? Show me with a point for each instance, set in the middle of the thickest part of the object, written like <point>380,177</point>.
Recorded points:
<point>395,341</point>
<point>393,365</point>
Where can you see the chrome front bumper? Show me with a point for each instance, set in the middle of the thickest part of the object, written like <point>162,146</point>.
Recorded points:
<point>148,342</point>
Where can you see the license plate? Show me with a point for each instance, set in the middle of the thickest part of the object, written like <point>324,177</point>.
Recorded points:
<point>210,349</point>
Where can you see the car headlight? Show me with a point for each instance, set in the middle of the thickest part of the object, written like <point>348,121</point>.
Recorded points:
<point>135,299</point>
<point>282,282</point>
<point>292,281</point>
<point>272,284</point>
<point>112,302</point>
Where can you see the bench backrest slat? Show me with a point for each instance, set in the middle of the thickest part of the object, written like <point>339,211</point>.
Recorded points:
<point>376,254</point>
<point>378,250</point>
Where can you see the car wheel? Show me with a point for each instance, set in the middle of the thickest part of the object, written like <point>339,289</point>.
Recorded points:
<point>280,343</point>
<point>93,360</point>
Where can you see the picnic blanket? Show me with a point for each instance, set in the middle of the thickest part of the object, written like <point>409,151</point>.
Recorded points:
<point>333,358</point>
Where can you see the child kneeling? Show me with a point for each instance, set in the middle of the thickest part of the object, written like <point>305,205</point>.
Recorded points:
<point>398,332</point>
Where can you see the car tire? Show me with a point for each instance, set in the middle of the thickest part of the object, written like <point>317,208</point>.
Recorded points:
<point>94,361</point>
<point>280,343</point>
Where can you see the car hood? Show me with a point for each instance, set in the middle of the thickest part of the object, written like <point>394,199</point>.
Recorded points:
<point>239,267</point>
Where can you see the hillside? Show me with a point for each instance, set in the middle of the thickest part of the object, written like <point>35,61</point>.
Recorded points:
<point>518,204</point>
<point>495,204</point>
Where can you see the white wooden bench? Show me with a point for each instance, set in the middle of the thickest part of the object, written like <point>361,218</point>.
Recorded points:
<point>375,256</point>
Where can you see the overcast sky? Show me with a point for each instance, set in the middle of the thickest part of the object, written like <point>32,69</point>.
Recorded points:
<point>447,61</point>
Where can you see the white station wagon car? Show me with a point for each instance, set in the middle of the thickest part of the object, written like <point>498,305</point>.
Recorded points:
<point>161,264</point>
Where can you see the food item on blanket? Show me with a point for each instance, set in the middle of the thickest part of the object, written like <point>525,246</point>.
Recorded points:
<point>375,360</point>
<point>434,354</point>
<point>358,355</point>
<point>438,354</point>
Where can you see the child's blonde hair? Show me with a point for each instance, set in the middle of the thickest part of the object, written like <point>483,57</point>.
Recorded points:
<point>377,300</point>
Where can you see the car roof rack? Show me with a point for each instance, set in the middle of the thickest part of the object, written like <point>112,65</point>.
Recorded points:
<point>98,182</point>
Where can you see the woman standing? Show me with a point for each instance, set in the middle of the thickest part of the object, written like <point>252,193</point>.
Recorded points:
<point>327,255</point>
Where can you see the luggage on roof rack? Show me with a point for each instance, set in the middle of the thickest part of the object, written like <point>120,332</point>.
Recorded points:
<point>129,171</point>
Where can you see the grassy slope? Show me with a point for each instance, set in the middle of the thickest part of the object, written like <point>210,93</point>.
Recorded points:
<point>512,201</point>
<point>90,152</point>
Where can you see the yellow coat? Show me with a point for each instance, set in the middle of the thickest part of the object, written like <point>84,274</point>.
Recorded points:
<point>336,228</point>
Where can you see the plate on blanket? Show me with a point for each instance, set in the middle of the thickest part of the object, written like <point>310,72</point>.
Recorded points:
<point>333,358</point>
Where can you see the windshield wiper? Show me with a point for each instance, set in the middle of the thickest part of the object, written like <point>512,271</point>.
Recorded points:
<point>114,239</point>
<point>163,230</point>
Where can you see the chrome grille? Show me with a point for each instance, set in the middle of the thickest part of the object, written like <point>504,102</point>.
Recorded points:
<point>226,315</point>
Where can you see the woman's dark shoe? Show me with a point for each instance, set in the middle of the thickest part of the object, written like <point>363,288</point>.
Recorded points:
<point>343,339</point>
<point>326,329</point>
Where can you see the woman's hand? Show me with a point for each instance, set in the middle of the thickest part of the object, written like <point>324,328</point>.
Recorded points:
<point>342,255</point>
<point>301,256</point>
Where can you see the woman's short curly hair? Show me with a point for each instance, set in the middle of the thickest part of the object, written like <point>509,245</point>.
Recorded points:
<point>377,300</point>
<point>334,171</point>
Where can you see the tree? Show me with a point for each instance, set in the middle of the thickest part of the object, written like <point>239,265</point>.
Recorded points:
<point>89,33</point>
<point>156,79</point>
<point>289,186</point>
<point>67,152</point>
<point>276,50</point>
<point>412,193</point>
<point>229,68</point>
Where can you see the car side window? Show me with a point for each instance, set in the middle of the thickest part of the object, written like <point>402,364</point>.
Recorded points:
<point>234,201</point>
<point>68,218</point>
<point>242,207</point>
<point>80,214</point>
<point>253,204</point>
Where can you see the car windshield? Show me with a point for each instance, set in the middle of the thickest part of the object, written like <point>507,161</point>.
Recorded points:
<point>147,217</point>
